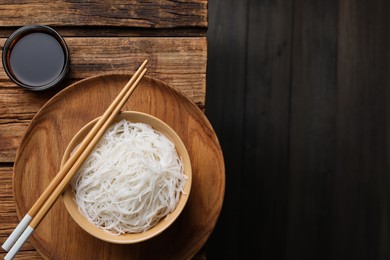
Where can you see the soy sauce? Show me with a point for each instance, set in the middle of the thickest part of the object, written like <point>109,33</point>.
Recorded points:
<point>37,59</point>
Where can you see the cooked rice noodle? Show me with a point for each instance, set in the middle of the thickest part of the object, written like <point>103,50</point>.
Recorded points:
<point>132,179</point>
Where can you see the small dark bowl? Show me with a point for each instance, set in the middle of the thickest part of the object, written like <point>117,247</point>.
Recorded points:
<point>33,55</point>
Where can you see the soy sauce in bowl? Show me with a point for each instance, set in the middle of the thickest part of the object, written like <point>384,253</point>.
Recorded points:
<point>36,57</point>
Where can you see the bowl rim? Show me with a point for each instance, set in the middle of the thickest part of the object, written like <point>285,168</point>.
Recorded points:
<point>23,31</point>
<point>164,223</point>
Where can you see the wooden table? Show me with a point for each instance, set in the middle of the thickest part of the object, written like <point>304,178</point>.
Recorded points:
<point>103,37</point>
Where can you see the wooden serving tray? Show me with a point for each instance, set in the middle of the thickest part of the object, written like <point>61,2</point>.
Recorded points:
<point>39,156</point>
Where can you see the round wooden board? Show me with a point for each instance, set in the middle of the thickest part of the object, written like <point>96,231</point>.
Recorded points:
<point>39,156</point>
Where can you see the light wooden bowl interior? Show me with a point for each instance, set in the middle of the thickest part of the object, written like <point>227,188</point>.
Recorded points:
<point>68,195</point>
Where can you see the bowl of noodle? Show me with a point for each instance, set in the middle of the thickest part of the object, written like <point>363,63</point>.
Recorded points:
<point>134,184</point>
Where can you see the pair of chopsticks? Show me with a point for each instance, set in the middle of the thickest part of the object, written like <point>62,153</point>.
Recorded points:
<point>40,208</point>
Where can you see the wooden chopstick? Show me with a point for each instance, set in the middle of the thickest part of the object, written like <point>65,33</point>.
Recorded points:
<point>61,180</point>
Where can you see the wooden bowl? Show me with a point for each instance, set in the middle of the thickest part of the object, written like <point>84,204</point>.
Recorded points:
<point>78,217</point>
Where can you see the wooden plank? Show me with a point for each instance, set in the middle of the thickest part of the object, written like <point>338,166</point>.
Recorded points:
<point>180,62</point>
<point>136,13</point>
<point>225,110</point>
<point>266,129</point>
<point>169,58</point>
<point>312,137</point>
<point>361,228</point>
<point>248,104</point>
<point>112,31</point>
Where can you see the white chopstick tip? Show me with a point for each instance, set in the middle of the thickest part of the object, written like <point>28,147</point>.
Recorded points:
<point>19,243</point>
<point>16,233</point>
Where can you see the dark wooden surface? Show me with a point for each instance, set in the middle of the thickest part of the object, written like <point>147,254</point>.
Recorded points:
<point>298,92</point>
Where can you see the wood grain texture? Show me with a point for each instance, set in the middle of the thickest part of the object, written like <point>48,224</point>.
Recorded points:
<point>225,94</point>
<point>8,216</point>
<point>267,107</point>
<point>251,115</point>
<point>55,125</point>
<point>112,31</point>
<point>312,130</point>
<point>335,191</point>
<point>180,62</point>
<point>361,209</point>
<point>135,13</point>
